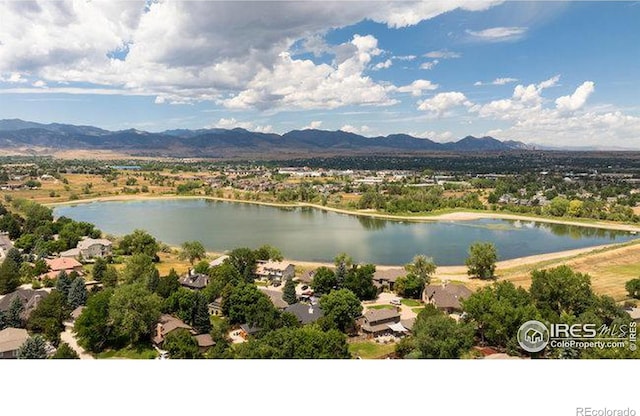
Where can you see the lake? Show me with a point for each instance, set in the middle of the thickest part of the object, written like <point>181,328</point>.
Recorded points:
<point>316,235</point>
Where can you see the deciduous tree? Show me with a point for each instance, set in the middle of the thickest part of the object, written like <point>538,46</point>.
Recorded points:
<point>482,260</point>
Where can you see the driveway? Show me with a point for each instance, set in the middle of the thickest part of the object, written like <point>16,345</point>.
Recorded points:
<point>384,298</point>
<point>68,337</point>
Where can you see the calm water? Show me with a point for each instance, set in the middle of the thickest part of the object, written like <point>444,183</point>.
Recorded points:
<point>316,235</point>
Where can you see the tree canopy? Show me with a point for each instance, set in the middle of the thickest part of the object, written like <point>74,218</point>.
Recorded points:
<point>482,260</point>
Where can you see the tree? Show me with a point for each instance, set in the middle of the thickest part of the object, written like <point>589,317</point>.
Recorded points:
<point>180,345</point>
<point>14,313</point>
<point>65,352</point>
<point>33,348</point>
<point>343,262</point>
<point>201,321</point>
<point>99,269</point>
<point>410,286</point>
<point>633,288</point>
<point>10,272</point>
<point>49,316</point>
<point>482,260</point>
<point>267,252</point>
<point>296,343</point>
<point>93,326</point>
<point>110,277</point>
<point>140,242</point>
<point>324,280</point>
<point>360,281</point>
<point>63,284</point>
<point>169,284</point>
<point>3,320</point>
<point>202,267</point>
<point>559,291</point>
<point>192,251</point>
<point>498,311</point>
<point>289,292</point>
<point>77,293</point>
<point>341,307</point>
<point>423,267</point>
<point>439,336</point>
<point>140,268</point>
<point>244,261</point>
<point>134,312</point>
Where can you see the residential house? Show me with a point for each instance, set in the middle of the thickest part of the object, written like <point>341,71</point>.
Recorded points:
<point>205,341</point>
<point>275,296</point>
<point>279,271</point>
<point>195,281</point>
<point>167,324</point>
<point>446,297</point>
<point>5,245</point>
<point>30,299</point>
<point>386,279</point>
<point>217,262</point>
<point>376,322</point>
<point>89,248</point>
<point>305,313</point>
<point>247,330</point>
<point>215,307</point>
<point>61,264</point>
<point>11,339</point>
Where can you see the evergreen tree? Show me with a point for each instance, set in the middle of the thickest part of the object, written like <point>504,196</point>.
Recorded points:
<point>65,352</point>
<point>3,320</point>
<point>289,292</point>
<point>10,272</point>
<point>201,320</point>
<point>64,284</point>
<point>14,318</point>
<point>77,293</point>
<point>33,348</point>
<point>99,269</point>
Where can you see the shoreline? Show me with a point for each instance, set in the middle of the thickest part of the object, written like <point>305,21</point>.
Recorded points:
<point>449,216</point>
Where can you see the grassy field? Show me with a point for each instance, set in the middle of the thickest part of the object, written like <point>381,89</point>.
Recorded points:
<point>410,302</point>
<point>132,353</point>
<point>370,349</point>
<point>381,307</point>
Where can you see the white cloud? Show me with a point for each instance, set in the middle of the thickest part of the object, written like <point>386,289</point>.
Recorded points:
<point>429,65</point>
<point>232,123</point>
<point>442,54</point>
<point>444,136</point>
<point>13,78</point>
<point>39,84</point>
<point>576,100</point>
<point>185,52</point>
<point>355,130</point>
<point>440,103</point>
<point>383,65</point>
<point>497,81</point>
<point>498,34</point>
<point>405,57</point>
<point>316,124</point>
<point>417,87</point>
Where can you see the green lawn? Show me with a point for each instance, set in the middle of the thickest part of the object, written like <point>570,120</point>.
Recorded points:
<point>370,349</point>
<point>381,307</point>
<point>417,310</point>
<point>140,352</point>
<point>410,302</point>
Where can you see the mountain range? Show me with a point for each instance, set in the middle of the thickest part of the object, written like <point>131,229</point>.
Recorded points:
<point>227,143</point>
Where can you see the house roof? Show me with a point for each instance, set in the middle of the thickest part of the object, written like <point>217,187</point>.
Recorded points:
<point>88,242</point>
<point>77,312</point>
<point>397,327</point>
<point>373,316</point>
<point>204,340</point>
<point>62,263</point>
<point>275,296</point>
<point>305,313</point>
<point>195,281</point>
<point>171,323</point>
<point>408,323</point>
<point>29,297</point>
<point>74,252</point>
<point>218,261</point>
<point>390,275</point>
<point>447,295</point>
<point>250,329</point>
<point>12,338</point>
<point>266,266</point>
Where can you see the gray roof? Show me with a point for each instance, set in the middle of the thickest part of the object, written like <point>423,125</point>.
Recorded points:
<point>305,313</point>
<point>5,242</point>
<point>12,339</point>
<point>276,297</point>
<point>447,295</point>
<point>195,281</point>
<point>390,275</point>
<point>29,297</point>
<point>88,242</point>
<point>250,329</point>
<point>204,340</point>
<point>373,316</point>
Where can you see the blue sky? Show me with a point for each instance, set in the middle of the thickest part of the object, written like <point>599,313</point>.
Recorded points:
<point>554,73</point>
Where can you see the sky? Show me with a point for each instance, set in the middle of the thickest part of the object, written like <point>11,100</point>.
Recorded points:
<point>545,72</point>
